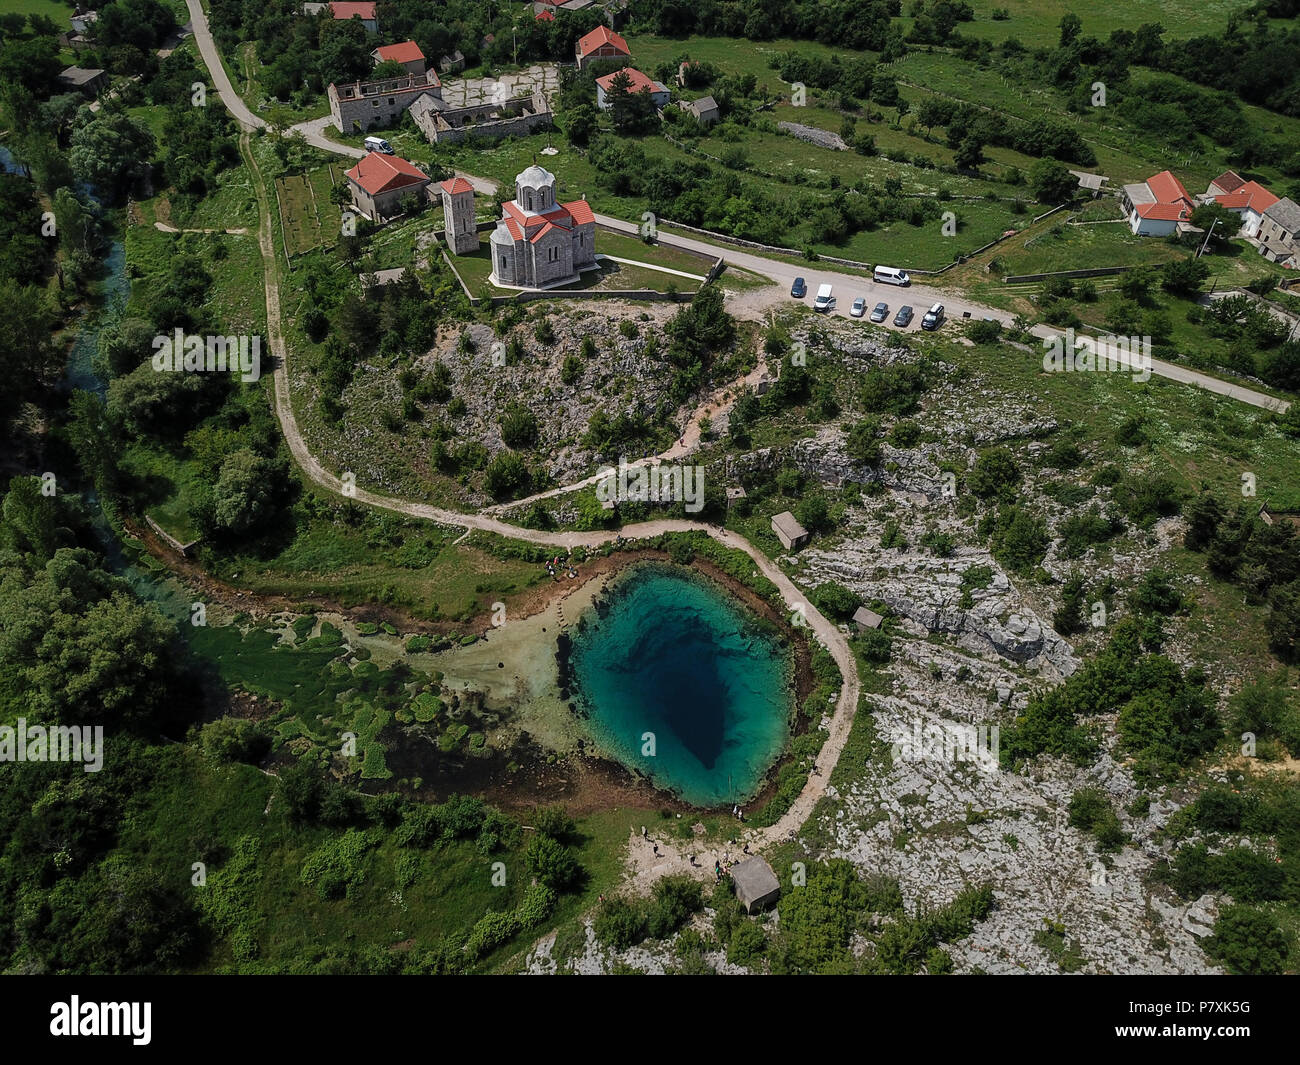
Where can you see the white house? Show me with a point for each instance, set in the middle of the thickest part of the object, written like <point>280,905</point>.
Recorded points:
<point>1248,200</point>
<point>1158,206</point>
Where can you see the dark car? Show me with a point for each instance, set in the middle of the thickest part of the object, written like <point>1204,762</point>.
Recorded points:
<point>798,290</point>
<point>933,318</point>
<point>880,313</point>
<point>904,316</point>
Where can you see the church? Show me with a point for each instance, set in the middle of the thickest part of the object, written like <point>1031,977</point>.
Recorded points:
<point>539,242</point>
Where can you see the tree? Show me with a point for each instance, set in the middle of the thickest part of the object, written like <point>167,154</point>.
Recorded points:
<point>86,648</point>
<point>580,123</point>
<point>111,152</point>
<point>1136,284</point>
<point>1071,25</point>
<point>389,68</point>
<point>29,359</point>
<point>552,863</point>
<point>863,443</point>
<point>969,154</point>
<point>1226,224</point>
<point>1052,182</point>
<point>1184,277</point>
<point>506,475</point>
<point>996,475</point>
<point>244,493</point>
<point>518,426</point>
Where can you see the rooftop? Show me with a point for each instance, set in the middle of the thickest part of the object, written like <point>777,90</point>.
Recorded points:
<point>638,82</point>
<point>378,173</point>
<point>789,525</point>
<point>345,9</point>
<point>602,35</point>
<point>405,52</point>
<point>755,882</point>
<point>1286,213</point>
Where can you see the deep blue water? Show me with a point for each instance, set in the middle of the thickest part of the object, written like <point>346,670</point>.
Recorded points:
<point>676,656</point>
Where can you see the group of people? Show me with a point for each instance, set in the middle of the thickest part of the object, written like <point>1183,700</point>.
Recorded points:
<point>553,568</point>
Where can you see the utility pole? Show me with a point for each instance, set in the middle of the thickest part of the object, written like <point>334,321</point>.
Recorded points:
<point>1207,238</point>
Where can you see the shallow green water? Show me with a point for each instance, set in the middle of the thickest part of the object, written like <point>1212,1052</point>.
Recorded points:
<point>675,656</point>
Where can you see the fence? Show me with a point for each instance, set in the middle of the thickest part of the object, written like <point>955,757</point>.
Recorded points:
<point>1098,271</point>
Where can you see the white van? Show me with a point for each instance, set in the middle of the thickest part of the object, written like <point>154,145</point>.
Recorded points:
<point>824,301</point>
<point>378,144</point>
<point>891,275</point>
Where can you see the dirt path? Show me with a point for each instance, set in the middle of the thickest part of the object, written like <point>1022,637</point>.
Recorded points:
<point>825,632</point>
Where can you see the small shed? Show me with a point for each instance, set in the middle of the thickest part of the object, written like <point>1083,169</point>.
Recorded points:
<point>734,492</point>
<point>867,619</point>
<point>756,885</point>
<point>791,534</point>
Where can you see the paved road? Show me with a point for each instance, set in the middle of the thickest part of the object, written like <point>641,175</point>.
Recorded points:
<point>846,287</point>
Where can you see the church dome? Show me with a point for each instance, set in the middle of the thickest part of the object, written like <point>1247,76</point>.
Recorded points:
<point>535,177</point>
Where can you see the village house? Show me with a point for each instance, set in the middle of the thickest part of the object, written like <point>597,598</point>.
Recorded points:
<point>407,53</point>
<point>363,104</point>
<point>87,80</point>
<point>638,83</point>
<point>1279,234</point>
<point>600,43</point>
<point>342,10</point>
<point>539,242</point>
<point>83,23</point>
<point>705,110</point>
<point>1248,200</point>
<point>788,530</point>
<point>1158,206</point>
<point>380,184</point>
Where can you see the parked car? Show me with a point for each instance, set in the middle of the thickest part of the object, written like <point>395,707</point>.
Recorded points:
<point>904,316</point>
<point>798,290</point>
<point>859,307</point>
<point>891,275</point>
<point>880,313</point>
<point>825,301</point>
<point>933,318</point>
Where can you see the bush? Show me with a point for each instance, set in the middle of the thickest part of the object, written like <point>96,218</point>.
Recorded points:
<point>552,864</point>
<point>747,945</point>
<point>231,739</point>
<point>619,924</point>
<point>996,475</point>
<point>1091,811</point>
<point>1247,942</point>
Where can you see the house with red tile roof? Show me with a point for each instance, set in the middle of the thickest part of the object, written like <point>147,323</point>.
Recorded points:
<point>342,10</point>
<point>538,242</point>
<point>638,83</point>
<point>545,15</point>
<point>600,43</point>
<point>381,183</point>
<point>1248,200</point>
<point>1158,206</point>
<point>407,53</point>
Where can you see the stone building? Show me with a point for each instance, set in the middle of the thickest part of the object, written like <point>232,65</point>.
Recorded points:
<point>458,215</point>
<point>788,530</point>
<point>1279,233</point>
<point>539,242</point>
<point>380,184</point>
<point>358,106</point>
<point>489,121</point>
